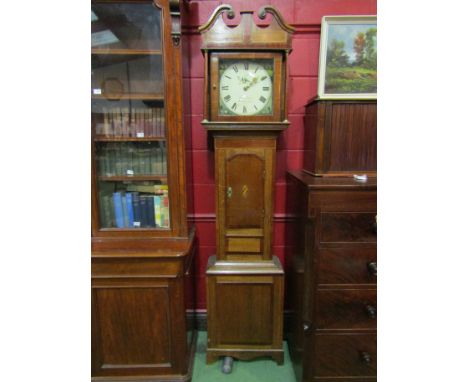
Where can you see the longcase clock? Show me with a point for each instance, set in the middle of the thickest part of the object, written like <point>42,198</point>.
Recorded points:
<point>245,110</point>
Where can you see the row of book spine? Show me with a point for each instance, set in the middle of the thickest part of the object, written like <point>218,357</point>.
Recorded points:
<point>134,210</point>
<point>142,158</point>
<point>134,122</point>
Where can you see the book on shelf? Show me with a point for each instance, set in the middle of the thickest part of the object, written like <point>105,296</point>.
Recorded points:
<point>154,127</point>
<point>157,210</point>
<point>126,121</point>
<point>132,158</point>
<point>162,129</point>
<point>166,210</point>
<point>148,129</point>
<point>107,211</point>
<point>107,130</point>
<point>118,210</point>
<point>150,210</point>
<point>136,210</point>
<point>128,198</point>
<point>133,209</point>
<point>125,210</point>
<point>103,218</point>
<point>163,159</point>
<point>143,211</point>
<point>131,122</point>
<point>157,115</point>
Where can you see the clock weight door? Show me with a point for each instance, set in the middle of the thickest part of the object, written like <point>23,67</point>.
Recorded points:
<point>244,169</point>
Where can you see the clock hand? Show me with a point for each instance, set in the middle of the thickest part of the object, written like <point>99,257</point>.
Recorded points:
<point>253,82</point>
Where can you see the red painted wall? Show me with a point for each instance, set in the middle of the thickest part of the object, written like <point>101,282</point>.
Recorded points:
<point>305,16</point>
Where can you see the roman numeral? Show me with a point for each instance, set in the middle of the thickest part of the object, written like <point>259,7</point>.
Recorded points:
<point>263,99</point>
<point>234,106</point>
<point>255,107</point>
<point>263,78</point>
<point>256,69</point>
<point>246,66</point>
<point>235,68</point>
<point>227,98</point>
<point>244,109</point>
<point>229,77</point>
<point>225,87</point>
<point>266,88</point>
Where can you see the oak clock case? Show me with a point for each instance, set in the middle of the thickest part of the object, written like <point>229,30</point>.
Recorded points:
<point>141,245</point>
<point>245,110</point>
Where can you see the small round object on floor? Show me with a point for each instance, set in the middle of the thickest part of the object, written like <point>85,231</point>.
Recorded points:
<point>226,366</point>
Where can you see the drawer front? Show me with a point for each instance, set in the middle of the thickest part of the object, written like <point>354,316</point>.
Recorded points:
<point>348,227</point>
<point>346,309</point>
<point>345,355</point>
<point>357,201</point>
<point>347,266</point>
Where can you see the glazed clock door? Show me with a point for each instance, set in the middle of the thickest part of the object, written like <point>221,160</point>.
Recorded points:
<point>244,198</point>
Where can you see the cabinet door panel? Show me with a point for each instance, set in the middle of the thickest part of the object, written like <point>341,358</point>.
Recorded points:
<point>245,310</point>
<point>246,315</point>
<point>132,329</point>
<point>244,197</point>
<point>245,191</point>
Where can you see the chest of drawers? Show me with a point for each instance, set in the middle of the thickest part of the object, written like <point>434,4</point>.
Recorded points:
<point>333,278</point>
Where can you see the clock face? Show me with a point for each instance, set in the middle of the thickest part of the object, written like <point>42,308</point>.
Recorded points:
<point>246,87</point>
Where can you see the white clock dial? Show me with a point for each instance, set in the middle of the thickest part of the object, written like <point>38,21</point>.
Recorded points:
<point>245,88</point>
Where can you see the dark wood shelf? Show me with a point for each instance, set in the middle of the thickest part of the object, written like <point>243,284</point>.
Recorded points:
<point>140,96</point>
<point>126,51</point>
<point>136,178</point>
<point>134,229</point>
<point>129,139</point>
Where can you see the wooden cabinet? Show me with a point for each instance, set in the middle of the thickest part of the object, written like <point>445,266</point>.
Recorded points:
<point>142,245</point>
<point>140,322</point>
<point>340,137</point>
<point>332,278</point>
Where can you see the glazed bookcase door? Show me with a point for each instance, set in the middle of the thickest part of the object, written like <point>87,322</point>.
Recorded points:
<point>131,144</point>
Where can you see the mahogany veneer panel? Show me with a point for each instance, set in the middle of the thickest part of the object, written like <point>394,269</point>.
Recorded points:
<point>348,227</point>
<point>340,137</point>
<point>346,266</point>
<point>246,316</point>
<point>346,309</point>
<point>125,317</point>
<point>340,355</point>
<point>245,176</point>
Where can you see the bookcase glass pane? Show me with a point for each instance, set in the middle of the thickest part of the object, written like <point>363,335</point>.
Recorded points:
<point>125,26</point>
<point>122,75</point>
<point>131,159</point>
<point>128,118</point>
<point>133,205</point>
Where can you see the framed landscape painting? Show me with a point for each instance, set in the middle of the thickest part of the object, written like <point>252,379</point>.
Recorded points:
<point>348,57</point>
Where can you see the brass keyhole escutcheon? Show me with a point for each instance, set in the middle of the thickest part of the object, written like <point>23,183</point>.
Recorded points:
<point>229,192</point>
<point>245,190</point>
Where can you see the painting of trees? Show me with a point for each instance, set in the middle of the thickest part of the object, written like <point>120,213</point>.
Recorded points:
<point>351,59</point>
<point>336,55</point>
